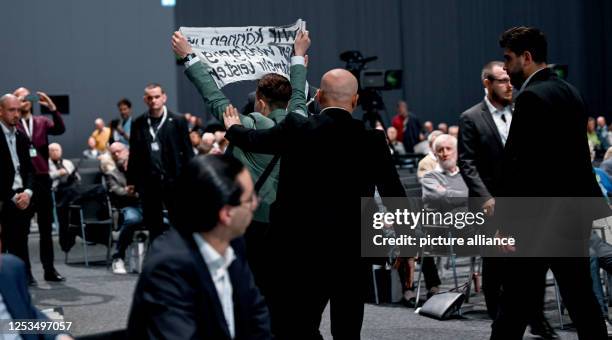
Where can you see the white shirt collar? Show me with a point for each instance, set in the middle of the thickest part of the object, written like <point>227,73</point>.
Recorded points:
<point>493,109</point>
<point>333,107</point>
<point>439,169</point>
<point>529,78</point>
<point>7,130</point>
<point>212,258</point>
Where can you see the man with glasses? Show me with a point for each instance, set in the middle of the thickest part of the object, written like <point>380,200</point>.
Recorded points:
<point>483,133</point>
<point>196,283</point>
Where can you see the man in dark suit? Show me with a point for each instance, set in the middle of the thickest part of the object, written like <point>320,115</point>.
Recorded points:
<point>15,300</point>
<point>328,161</point>
<point>483,133</point>
<point>16,182</point>
<point>196,283</point>
<point>546,100</point>
<point>159,149</point>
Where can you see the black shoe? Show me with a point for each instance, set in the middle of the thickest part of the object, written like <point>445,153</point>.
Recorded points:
<point>53,276</point>
<point>31,281</point>
<point>543,329</point>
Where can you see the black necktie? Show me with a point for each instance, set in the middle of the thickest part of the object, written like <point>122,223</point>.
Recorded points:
<point>503,118</point>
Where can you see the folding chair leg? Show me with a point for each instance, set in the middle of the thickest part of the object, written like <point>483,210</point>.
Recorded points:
<point>418,293</point>
<point>374,267</point>
<point>84,240</point>
<point>469,284</point>
<point>558,296</point>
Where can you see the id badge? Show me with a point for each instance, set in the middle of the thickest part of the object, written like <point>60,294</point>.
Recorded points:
<point>154,146</point>
<point>32,153</point>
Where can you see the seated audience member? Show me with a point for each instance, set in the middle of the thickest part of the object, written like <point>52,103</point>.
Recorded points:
<point>101,135</point>
<point>602,132</point>
<point>453,130</point>
<point>443,127</point>
<point>429,162</point>
<point>221,141</point>
<point>606,165</point>
<point>124,198</point>
<point>208,145</point>
<point>594,142</point>
<point>59,169</point>
<point>441,186</point>
<point>601,257</point>
<point>196,283</point>
<point>427,128</point>
<point>92,152</point>
<point>445,181</point>
<point>15,301</point>
<point>397,147</point>
<point>195,137</point>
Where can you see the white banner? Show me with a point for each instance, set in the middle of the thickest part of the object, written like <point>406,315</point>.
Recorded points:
<point>244,53</point>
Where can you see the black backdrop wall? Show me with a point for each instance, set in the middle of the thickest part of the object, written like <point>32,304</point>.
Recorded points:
<point>440,44</point>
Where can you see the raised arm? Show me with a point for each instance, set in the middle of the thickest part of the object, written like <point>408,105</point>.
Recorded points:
<point>297,103</point>
<point>197,72</point>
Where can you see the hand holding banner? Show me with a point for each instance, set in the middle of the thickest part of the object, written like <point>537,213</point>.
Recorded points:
<point>244,53</point>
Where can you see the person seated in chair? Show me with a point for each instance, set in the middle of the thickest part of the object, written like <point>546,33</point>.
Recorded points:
<point>60,170</point>
<point>123,198</point>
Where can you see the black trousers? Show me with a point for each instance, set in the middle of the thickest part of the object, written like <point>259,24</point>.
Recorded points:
<point>156,196</point>
<point>15,230</point>
<point>523,285</point>
<point>298,296</point>
<point>43,206</point>
<point>256,245</point>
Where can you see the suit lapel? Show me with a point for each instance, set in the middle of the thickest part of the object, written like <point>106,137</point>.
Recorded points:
<point>488,118</point>
<point>8,160</point>
<point>207,283</point>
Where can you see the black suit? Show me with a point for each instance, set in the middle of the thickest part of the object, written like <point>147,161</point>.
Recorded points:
<point>15,294</point>
<point>157,188</point>
<point>550,102</point>
<point>15,222</point>
<point>175,297</point>
<point>481,152</point>
<point>328,161</point>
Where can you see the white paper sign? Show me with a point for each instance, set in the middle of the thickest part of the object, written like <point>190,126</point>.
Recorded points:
<point>244,53</point>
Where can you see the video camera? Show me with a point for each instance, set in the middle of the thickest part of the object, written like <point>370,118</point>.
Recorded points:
<point>371,82</point>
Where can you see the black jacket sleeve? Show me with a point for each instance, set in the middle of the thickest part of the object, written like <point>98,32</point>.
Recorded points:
<point>467,149</point>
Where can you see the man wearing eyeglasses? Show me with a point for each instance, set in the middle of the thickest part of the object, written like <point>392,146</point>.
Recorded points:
<point>196,283</point>
<point>482,135</point>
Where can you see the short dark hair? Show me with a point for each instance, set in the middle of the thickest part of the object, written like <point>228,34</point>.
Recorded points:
<point>154,85</point>
<point>275,90</point>
<point>487,70</point>
<point>207,184</point>
<point>124,101</point>
<point>521,39</point>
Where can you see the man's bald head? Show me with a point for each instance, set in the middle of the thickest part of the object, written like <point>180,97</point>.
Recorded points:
<point>338,88</point>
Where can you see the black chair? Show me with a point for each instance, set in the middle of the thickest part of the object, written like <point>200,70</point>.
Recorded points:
<point>86,163</point>
<point>90,176</point>
<point>91,217</point>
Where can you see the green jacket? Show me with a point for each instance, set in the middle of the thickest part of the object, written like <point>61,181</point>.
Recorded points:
<point>256,163</point>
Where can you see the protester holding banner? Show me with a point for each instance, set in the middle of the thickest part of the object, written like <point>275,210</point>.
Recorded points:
<point>275,96</point>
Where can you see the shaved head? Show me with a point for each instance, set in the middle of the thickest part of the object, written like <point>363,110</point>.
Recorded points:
<point>338,88</point>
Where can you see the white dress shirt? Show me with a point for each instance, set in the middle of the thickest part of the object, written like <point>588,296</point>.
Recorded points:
<point>502,118</point>
<point>217,266</point>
